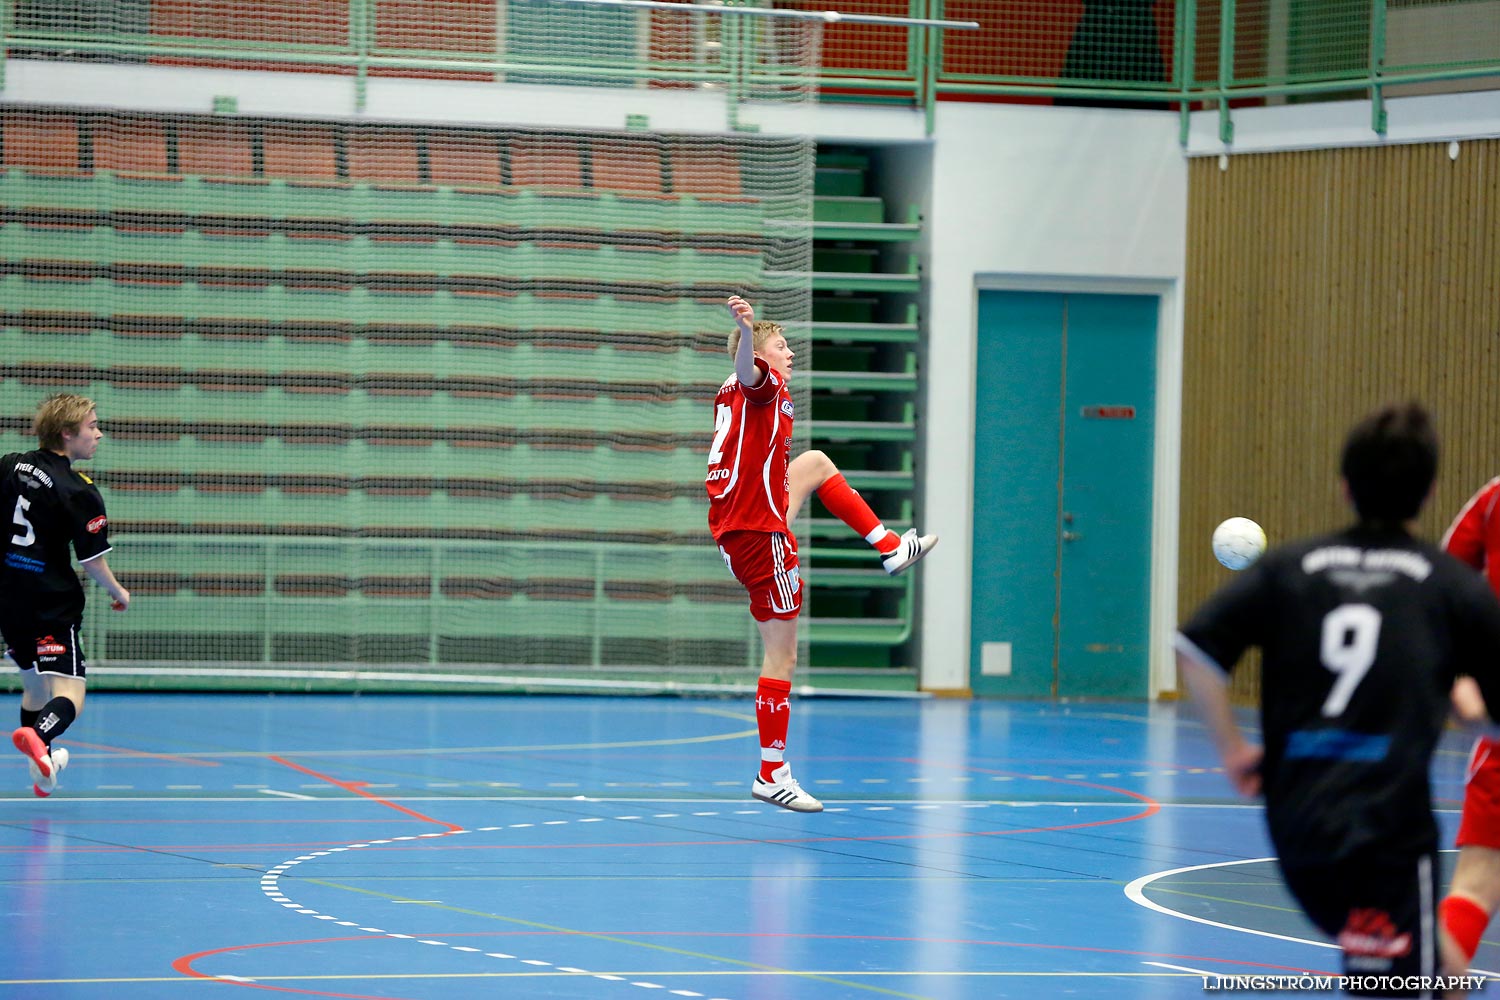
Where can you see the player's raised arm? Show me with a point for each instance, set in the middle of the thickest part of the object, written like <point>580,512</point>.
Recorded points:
<point>744,356</point>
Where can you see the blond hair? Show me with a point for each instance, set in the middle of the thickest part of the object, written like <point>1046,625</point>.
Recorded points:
<point>762,331</point>
<point>59,413</point>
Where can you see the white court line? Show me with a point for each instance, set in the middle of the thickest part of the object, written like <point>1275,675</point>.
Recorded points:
<point>1135,891</point>
<point>1181,968</point>
<point>29,800</point>
<point>270,885</point>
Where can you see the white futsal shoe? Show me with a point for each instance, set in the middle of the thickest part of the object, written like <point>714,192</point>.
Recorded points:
<point>913,547</point>
<point>782,790</point>
<point>44,785</point>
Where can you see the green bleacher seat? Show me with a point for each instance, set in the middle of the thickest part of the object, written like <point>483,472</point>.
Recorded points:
<point>345,384</point>
<point>843,333</point>
<point>848,209</point>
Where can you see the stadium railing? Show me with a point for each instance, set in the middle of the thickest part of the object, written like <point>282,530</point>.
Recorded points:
<point>1181,54</point>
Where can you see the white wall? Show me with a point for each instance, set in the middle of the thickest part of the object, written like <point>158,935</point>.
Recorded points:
<point>1081,199</point>
<point>1045,198</point>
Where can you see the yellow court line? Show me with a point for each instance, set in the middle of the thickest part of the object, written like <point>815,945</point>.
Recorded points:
<point>1230,901</point>
<point>666,949</point>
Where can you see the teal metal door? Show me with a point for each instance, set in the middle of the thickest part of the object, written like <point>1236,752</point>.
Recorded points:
<point>1064,433</point>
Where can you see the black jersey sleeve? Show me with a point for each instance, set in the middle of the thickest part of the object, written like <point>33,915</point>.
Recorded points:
<point>1476,635</point>
<point>8,463</point>
<point>88,523</point>
<point>1233,619</point>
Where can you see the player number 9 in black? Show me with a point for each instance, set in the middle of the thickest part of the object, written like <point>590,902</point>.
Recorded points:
<point>1351,633</point>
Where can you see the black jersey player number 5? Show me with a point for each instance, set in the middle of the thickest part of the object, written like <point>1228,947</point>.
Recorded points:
<point>20,540</point>
<point>1350,635</point>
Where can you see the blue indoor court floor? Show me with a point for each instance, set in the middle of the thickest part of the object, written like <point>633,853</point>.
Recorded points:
<point>454,847</point>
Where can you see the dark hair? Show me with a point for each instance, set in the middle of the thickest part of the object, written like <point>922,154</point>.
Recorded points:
<point>1389,460</point>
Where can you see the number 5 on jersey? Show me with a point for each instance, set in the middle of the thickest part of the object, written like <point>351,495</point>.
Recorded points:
<point>27,534</point>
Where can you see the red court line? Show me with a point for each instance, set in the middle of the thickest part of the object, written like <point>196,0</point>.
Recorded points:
<point>195,762</point>
<point>927,940</point>
<point>133,848</point>
<point>236,821</point>
<point>1152,808</point>
<point>184,965</point>
<point>358,788</point>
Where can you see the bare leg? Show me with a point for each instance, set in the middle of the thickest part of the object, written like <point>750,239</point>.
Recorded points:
<point>779,635</point>
<point>1451,963</point>
<point>805,474</point>
<point>37,689</point>
<point>1477,876</point>
<point>1477,879</point>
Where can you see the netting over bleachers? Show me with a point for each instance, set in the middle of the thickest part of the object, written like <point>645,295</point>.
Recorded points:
<point>397,394</point>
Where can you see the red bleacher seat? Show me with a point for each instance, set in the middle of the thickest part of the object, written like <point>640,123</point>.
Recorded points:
<point>40,139</point>
<point>130,144</point>
<point>552,162</point>
<point>464,159</point>
<point>383,156</point>
<point>299,152</point>
<point>701,170</point>
<point>633,165</point>
<point>208,148</point>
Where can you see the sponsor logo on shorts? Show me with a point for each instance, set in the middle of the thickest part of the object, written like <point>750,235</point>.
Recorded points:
<point>97,524</point>
<point>793,606</point>
<point>1370,933</point>
<point>48,646</point>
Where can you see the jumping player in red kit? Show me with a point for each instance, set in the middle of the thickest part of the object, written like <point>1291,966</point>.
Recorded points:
<point>1474,537</point>
<point>755,490</point>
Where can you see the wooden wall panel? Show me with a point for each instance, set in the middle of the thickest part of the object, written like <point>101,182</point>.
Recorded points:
<point>1321,284</point>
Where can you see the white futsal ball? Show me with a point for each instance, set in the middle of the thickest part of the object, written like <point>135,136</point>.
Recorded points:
<point>1238,542</point>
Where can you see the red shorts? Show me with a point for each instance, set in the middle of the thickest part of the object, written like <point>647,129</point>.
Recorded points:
<point>1480,824</point>
<point>766,563</point>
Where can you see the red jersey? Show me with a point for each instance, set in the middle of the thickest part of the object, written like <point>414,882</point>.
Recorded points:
<point>1474,535</point>
<point>1474,538</point>
<point>747,480</point>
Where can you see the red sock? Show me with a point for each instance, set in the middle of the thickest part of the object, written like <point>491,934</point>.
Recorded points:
<point>1465,920</point>
<point>844,502</point>
<point>772,711</point>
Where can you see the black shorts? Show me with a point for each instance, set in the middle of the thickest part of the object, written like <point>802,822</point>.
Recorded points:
<point>48,647</point>
<point>1382,914</point>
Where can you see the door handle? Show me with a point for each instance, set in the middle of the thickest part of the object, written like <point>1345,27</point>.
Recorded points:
<point>1070,536</point>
